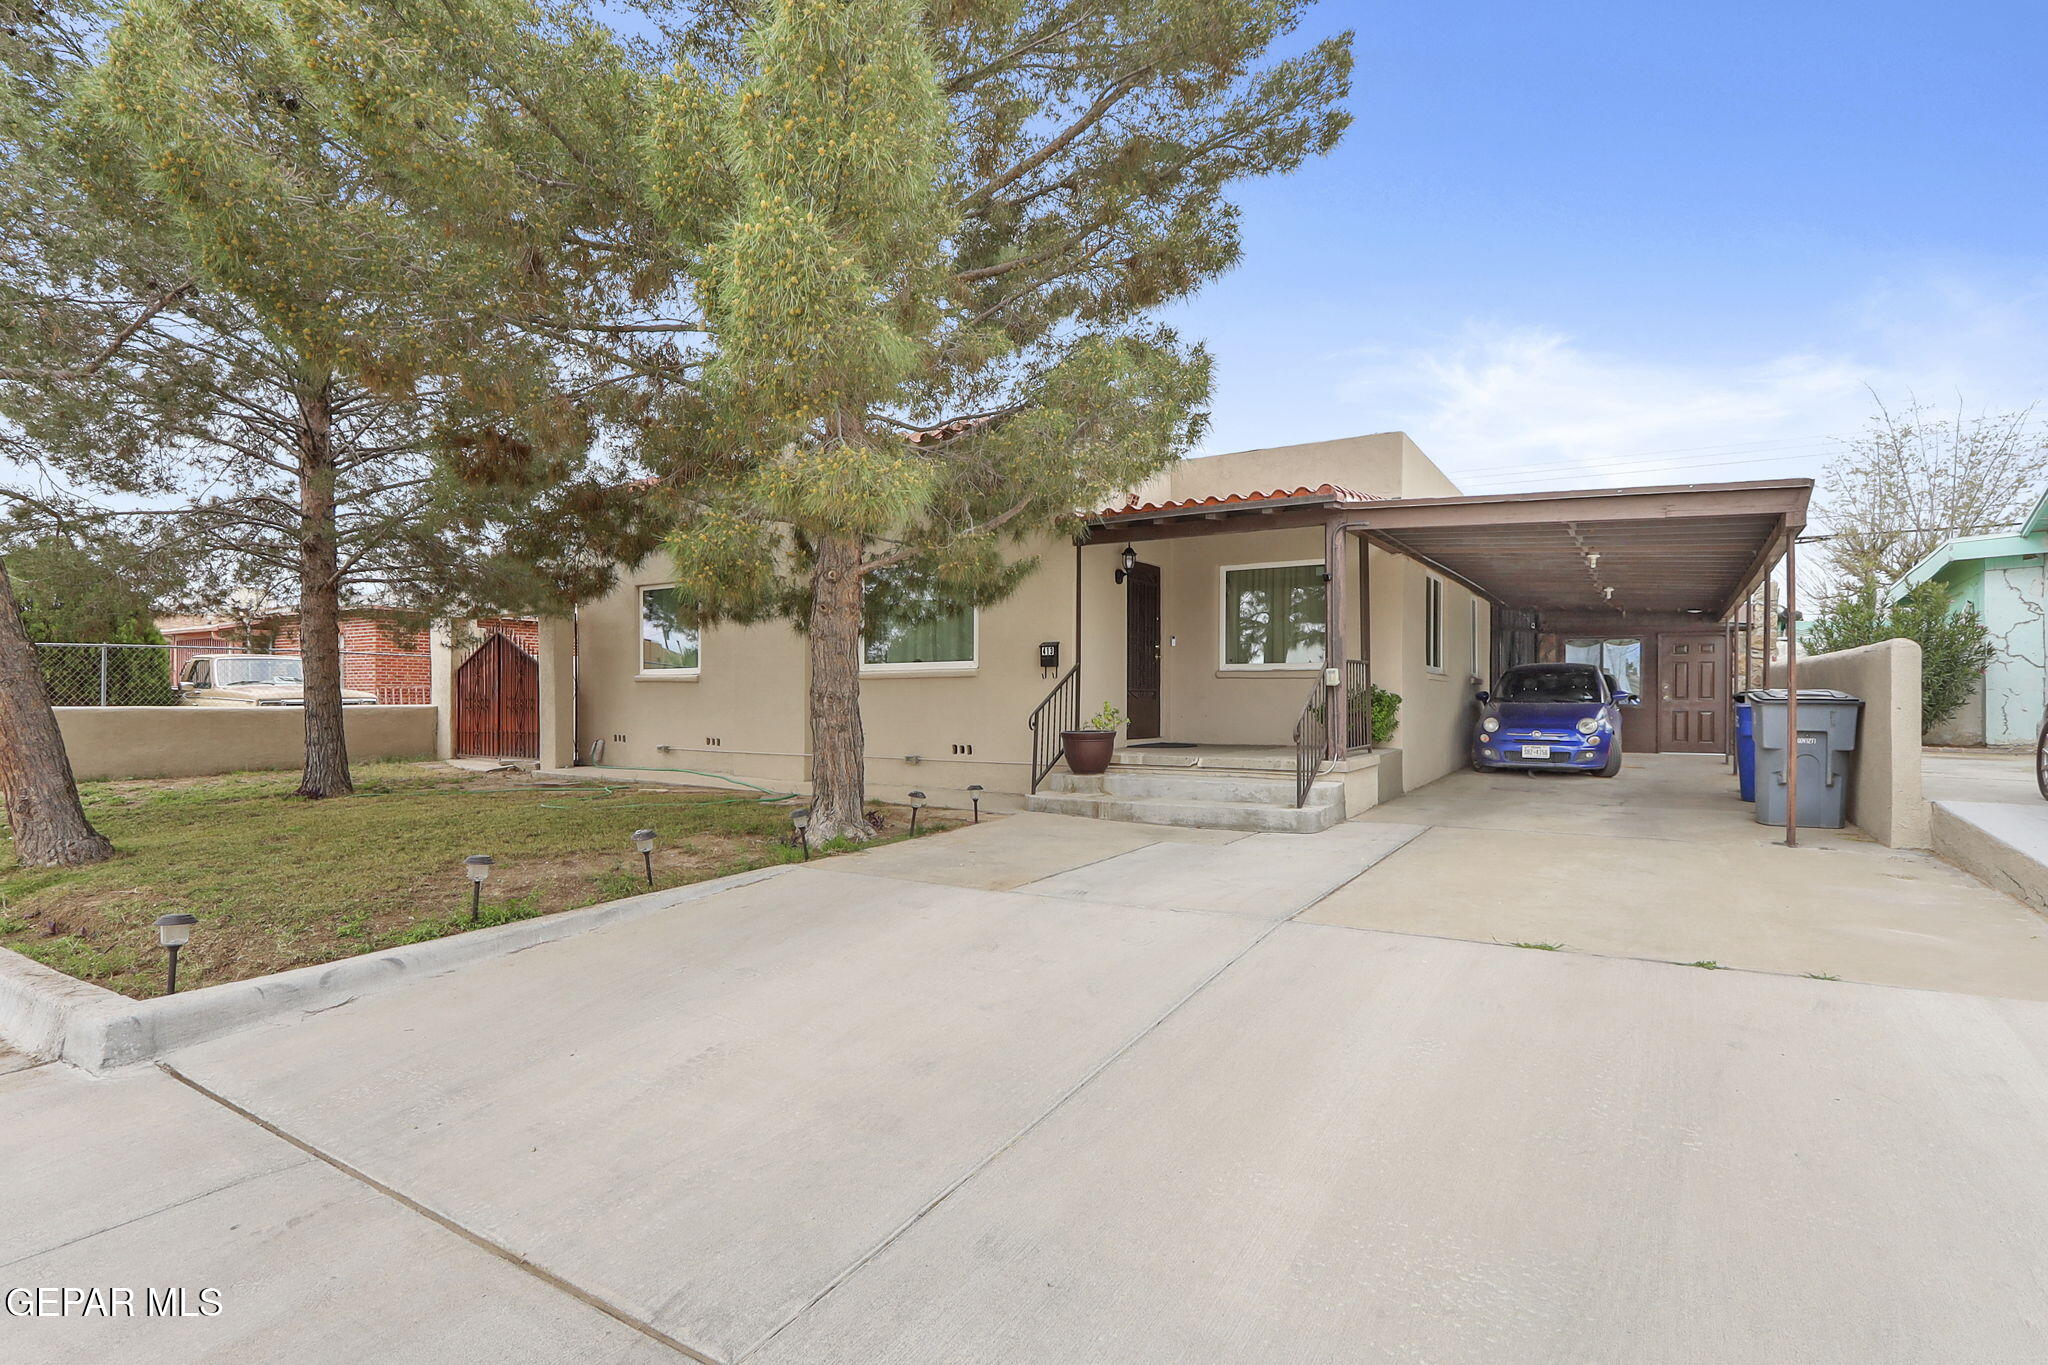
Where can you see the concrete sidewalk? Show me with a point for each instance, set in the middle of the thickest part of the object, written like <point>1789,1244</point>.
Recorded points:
<point>1130,1108</point>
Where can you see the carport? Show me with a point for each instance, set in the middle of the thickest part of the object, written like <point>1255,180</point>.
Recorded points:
<point>1658,577</point>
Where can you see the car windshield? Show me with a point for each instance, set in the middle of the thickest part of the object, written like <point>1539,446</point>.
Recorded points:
<point>244,672</point>
<point>1562,683</point>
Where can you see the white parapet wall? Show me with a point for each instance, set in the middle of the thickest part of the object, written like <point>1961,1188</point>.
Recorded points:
<point>113,742</point>
<point>1885,799</point>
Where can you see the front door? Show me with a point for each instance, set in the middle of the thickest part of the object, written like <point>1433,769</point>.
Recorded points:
<point>1141,636</point>
<point>1692,693</point>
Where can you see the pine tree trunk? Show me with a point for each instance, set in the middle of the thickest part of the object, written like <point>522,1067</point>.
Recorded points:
<point>49,824</point>
<point>326,772</point>
<point>838,749</point>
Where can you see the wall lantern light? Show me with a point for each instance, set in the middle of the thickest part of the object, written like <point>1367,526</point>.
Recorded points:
<point>174,932</point>
<point>478,866</point>
<point>643,839</point>
<point>1130,559</point>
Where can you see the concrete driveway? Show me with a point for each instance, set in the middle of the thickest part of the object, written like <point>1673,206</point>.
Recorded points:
<point>1666,862</point>
<point>1044,1090</point>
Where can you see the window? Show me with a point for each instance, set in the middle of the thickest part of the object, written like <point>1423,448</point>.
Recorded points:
<point>1433,623</point>
<point>1273,615</point>
<point>910,627</point>
<point>666,644</point>
<point>1550,682</point>
<point>250,670</point>
<point>1621,660</point>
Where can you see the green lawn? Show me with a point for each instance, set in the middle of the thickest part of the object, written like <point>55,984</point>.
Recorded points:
<point>279,882</point>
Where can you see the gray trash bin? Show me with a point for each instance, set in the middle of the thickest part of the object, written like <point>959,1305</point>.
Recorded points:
<point>1828,722</point>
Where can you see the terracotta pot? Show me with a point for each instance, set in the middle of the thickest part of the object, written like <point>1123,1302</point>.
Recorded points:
<point>1088,751</point>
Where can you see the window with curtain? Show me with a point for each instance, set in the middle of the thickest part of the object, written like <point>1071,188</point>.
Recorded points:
<point>1433,624</point>
<point>1621,660</point>
<point>906,626</point>
<point>1273,616</point>
<point>666,644</point>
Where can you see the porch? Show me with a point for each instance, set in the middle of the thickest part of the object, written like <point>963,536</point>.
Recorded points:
<point>1232,607</point>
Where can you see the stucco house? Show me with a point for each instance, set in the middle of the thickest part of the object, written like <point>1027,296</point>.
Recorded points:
<point>1238,608</point>
<point>2005,577</point>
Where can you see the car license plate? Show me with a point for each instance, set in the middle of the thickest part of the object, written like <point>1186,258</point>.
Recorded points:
<point>1535,751</point>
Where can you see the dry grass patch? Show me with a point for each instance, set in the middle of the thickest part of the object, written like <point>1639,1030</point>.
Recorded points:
<point>278,882</point>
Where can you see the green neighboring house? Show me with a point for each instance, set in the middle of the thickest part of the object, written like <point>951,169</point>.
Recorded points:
<point>2005,576</point>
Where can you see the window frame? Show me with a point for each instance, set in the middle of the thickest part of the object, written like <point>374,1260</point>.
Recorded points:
<point>930,667</point>
<point>641,671</point>
<point>1223,663</point>
<point>1432,623</point>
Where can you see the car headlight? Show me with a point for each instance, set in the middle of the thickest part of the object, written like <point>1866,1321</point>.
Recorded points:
<point>1489,725</point>
<point>1588,726</point>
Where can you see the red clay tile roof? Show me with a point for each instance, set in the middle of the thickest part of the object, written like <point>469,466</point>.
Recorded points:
<point>1334,492</point>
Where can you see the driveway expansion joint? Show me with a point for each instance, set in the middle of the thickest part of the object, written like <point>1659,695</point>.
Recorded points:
<point>476,1239</point>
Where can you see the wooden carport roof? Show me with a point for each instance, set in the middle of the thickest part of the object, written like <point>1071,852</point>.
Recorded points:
<point>1698,548</point>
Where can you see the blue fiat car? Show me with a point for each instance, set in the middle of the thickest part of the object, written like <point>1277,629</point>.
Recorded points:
<point>1560,716</point>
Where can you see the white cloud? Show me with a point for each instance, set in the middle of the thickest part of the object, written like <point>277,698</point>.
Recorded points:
<point>1519,407</point>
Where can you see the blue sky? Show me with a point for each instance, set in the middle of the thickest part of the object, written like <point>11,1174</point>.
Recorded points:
<point>1647,242</point>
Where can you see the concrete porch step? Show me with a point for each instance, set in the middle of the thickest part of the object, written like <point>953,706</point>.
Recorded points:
<point>1155,785</point>
<point>1233,801</point>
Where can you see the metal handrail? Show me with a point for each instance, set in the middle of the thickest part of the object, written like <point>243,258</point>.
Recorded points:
<point>1311,742</point>
<point>1061,710</point>
<point>1357,706</point>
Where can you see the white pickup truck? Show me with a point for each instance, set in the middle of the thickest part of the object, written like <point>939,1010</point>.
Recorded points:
<point>252,680</point>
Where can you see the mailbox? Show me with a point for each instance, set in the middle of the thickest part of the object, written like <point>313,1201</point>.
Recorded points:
<point>1049,654</point>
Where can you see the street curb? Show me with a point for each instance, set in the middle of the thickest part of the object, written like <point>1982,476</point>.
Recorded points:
<point>49,1015</point>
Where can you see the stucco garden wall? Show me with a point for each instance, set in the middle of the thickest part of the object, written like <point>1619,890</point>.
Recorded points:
<point>111,742</point>
<point>1884,794</point>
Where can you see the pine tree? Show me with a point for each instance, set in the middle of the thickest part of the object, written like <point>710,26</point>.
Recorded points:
<point>318,371</point>
<point>865,285</point>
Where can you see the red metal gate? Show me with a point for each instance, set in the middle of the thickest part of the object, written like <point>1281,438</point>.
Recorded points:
<point>497,702</point>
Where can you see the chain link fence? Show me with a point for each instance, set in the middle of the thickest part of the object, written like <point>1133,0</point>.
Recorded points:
<point>150,675</point>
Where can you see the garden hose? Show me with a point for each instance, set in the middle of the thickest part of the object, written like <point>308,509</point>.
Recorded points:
<point>766,797</point>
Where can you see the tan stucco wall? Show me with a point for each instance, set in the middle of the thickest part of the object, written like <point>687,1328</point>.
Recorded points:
<point>750,693</point>
<point>1885,799</point>
<point>1437,708</point>
<point>198,741</point>
<point>1386,464</point>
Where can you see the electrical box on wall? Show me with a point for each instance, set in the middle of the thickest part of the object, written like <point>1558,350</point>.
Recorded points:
<point>1049,654</point>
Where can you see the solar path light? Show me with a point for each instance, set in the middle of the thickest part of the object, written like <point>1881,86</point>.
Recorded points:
<point>801,818</point>
<point>643,839</point>
<point>174,932</point>
<point>974,794</point>
<point>478,865</point>
<point>916,804</point>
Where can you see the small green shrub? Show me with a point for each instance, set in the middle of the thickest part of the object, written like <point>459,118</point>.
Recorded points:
<point>1108,718</point>
<point>1954,646</point>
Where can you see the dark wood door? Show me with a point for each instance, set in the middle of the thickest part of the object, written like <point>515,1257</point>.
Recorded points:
<point>497,702</point>
<point>1141,637</point>
<point>1692,693</point>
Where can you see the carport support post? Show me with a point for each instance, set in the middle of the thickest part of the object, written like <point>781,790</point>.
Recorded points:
<point>1334,536</point>
<point>1792,687</point>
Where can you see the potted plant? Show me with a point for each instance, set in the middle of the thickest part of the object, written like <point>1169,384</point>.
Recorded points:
<point>1088,749</point>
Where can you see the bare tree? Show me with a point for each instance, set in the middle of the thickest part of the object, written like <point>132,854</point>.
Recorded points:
<point>1917,477</point>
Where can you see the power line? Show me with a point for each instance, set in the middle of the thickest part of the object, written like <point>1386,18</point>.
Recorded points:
<point>1711,464</point>
<point>1730,447</point>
